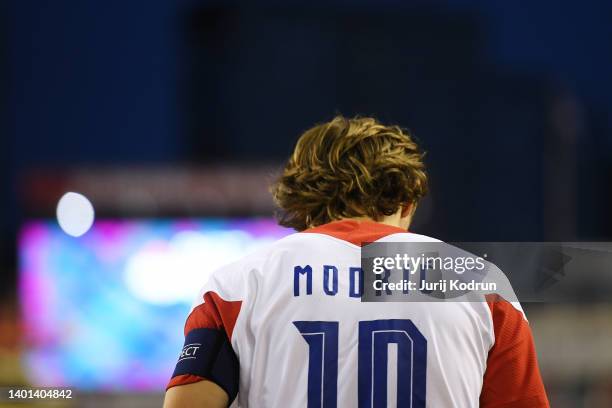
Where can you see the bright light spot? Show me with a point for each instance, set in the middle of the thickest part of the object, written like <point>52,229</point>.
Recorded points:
<point>173,271</point>
<point>75,214</point>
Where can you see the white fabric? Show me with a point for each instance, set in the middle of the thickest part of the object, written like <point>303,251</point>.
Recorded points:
<point>273,354</point>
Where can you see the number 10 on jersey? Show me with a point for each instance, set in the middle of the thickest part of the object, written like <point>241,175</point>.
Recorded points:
<point>374,339</point>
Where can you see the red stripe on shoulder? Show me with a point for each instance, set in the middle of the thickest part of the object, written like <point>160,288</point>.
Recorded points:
<point>512,378</point>
<point>184,379</point>
<point>214,313</point>
<point>355,231</point>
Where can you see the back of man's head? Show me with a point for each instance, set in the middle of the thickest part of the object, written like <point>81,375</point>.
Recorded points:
<point>349,168</point>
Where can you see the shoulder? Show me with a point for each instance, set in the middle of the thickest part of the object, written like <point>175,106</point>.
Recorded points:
<point>231,280</point>
<point>512,375</point>
<point>408,237</point>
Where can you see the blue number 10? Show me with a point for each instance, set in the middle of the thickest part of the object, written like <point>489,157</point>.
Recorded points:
<point>374,339</point>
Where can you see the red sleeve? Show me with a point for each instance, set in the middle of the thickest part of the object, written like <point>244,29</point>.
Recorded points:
<point>214,313</point>
<point>512,378</point>
<point>210,326</point>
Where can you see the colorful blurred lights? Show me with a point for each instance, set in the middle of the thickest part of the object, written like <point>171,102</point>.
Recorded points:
<point>106,313</point>
<point>75,214</point>
<point>168,272</point>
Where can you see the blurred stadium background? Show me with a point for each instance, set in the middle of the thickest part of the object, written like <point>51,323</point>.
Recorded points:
<point>172,117</point>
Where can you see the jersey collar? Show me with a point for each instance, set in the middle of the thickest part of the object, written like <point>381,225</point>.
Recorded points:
<point>356,232</point>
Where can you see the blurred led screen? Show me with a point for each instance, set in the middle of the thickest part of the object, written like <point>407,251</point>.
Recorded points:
<point>106,311</point>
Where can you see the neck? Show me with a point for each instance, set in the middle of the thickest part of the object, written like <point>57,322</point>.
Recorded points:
<point>394,220</point>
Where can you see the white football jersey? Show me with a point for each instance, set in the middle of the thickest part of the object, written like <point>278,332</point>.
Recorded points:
<point>285,327</point>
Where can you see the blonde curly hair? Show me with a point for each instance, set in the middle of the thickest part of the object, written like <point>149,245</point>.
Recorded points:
<point>346,168</point>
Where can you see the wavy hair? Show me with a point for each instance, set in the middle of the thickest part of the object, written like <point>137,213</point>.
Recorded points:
<point>349,167</point>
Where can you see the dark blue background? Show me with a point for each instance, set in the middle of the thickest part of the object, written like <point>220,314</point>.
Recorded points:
<point>478,82</point>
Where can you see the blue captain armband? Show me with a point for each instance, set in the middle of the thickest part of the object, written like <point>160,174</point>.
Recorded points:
<point>208,353</point>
